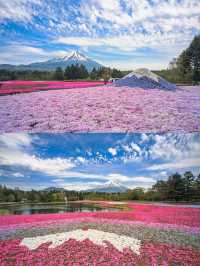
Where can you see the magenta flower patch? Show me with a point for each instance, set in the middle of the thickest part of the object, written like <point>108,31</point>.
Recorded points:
<point>21,86</point>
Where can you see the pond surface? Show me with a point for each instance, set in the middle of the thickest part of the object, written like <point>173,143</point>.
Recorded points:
<point>37,208</point>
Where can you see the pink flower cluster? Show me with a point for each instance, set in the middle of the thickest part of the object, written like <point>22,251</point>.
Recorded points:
<point>102,109</point>
<point>13,87</point>
<point>75,253</point>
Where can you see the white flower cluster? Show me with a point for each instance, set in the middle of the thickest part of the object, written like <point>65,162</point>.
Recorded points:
<point>97,237</point>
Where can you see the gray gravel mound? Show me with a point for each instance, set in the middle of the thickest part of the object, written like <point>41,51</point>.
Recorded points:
<point>144,78</point>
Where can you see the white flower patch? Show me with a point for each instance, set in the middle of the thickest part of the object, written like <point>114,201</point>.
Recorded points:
<point>96,236</point>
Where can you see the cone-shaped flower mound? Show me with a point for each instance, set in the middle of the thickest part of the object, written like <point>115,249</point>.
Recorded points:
<point>145,79</point>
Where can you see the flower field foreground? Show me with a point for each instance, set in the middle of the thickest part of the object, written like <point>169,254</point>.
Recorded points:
<point>106,109</point>
<point>145,235</point>
<point>18,86</point>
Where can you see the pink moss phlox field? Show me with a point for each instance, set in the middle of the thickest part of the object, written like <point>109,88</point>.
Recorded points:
<point>85,252</point>
<point>157,214</point>
<point>11,220</point>
<point>18,86</point>
<point>102,109</point>
<point>148,214</point>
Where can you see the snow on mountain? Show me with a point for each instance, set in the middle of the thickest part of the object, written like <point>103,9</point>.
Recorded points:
<point>144,78</point>
<point>77,56</point>
<point>109,187</point>
<point>74,58</point>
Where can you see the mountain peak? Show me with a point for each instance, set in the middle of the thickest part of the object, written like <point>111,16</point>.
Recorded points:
<point>112,183</point>
<point>73,58</point>
<point>109,187</point>
<point>77,56</point>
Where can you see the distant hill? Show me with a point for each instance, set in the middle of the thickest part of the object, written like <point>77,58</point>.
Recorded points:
<point>74,58</point>
<point>109,187</point>
<point>54,189</point>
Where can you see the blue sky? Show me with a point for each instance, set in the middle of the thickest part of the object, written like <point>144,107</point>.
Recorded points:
<point>82,161</point>
<point>119,33</point>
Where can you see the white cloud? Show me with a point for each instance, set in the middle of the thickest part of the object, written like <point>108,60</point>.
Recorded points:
<point>135,147</point>
<point>127,148</point>
<point>176,151</point>
<point>143,179</point>
<point>80,186</point>
<point>181,164</point>
<point>175,146</point>
<point>144,138</point>
<point>18,10</point>
<point>18,175</point>
<point>54,166</point>
<point>112,151</point>
<point>24,54</point>
<point>118,177</point>
<point>81,159</point>
<point>15,140</point>
<point>14,152</point>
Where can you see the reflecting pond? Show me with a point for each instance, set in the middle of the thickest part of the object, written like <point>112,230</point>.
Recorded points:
<point>37,208</point>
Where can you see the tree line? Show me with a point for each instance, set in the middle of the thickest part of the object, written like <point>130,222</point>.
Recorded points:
<point>187,69</point>
<point>73,72</point>
<point>177,188</point>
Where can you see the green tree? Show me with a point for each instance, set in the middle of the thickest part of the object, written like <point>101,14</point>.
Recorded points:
<point>11,198</point>
<point>189,61</point>
<point>94,74</point>
<point>175,187</point>
<point>83,72</point>
<point>105,73</point>
<point>189,181</point>
<point>116,73</point>
<point>58,74</point>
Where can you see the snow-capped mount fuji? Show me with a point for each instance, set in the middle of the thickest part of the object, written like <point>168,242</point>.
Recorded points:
<point>75,57</point>
<point>72,59</point>
<point>109,187</point>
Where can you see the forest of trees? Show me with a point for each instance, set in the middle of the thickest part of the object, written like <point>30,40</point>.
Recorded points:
<point>187,70</point>
<point>73,72</point>
<point>177,188</point>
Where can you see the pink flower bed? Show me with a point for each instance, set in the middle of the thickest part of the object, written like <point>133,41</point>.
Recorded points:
<point>17,86</point>
<point>146,213</point>
<point>85,252</point>
<point>157,214</point>
<point>74,252</point>
<point>102,109</point>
